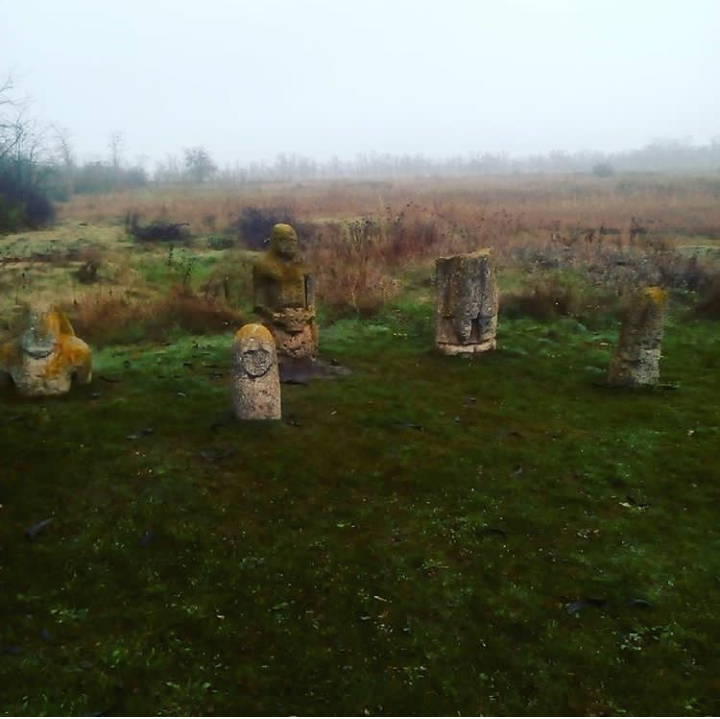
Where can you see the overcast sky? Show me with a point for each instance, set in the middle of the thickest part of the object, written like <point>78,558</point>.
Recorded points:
<point>251,78</point>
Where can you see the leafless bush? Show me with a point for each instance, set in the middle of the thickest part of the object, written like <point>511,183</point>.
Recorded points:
<point>109,320</point>
<point>548,296</point>
<point>157,230</point>
<point>709,305</point>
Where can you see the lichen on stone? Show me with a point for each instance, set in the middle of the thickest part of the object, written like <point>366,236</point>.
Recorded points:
<point>636,360</point>
<point>467,303</point>
<point>255,380</point>
<point>45,355</point>
<point>284,295</point>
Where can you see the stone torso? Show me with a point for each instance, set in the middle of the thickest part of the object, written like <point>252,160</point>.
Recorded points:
<point>284,295</point>
<point>46,356</point>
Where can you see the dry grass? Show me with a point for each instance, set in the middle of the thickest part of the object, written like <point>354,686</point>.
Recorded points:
<point>534,204</point>
<point>107,319</point>
<point>361,239</point>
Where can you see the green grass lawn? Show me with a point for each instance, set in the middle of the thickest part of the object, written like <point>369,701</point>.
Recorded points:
<point>429,535</point>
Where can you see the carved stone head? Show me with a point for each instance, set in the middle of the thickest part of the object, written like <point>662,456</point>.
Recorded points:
<point>256,350</point>
<point>43,326</point>
<point>284,241</point>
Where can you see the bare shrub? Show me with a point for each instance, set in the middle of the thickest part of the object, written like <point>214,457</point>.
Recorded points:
<point>157,230</point>
<point>110,320</point>
<point>355,261</point>
<point>253,224</point>
<point>87,273</point>
<point>709,305</point>
<point>549,296</point>
<point>230,281</point>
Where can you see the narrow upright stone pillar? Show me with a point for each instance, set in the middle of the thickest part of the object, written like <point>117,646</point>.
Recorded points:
<point>255,389</point>
<point>467,303</point>
<point>636,361</point>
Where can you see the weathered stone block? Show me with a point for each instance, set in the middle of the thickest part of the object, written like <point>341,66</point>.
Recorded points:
<point>636,361</point>
<point>284,295</point>
<point>46,355</point>
<point>255,389</point>
<point>467,303</point>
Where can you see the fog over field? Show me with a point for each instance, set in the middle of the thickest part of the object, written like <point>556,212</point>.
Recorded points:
<point>322,78</point>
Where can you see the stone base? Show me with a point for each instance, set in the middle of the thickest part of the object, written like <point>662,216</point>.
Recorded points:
<point>31,385</point>
<point>469,349</point>
<point>295,331</point>
<point>41,379</point>
<point>302,343</point>
<point>636,372</point>
<point>256,400</point>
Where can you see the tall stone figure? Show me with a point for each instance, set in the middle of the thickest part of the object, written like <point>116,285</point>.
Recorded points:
<point>46,355</point>
<point>636,361</point>
<point>284,295</point>
<point>255,389</point>
<point>467,303</point>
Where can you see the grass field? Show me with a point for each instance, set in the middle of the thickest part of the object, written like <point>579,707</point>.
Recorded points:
<point>429,535</point>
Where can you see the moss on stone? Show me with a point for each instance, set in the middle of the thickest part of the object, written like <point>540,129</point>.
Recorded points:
<point>656,295</point>
<point>67,355</point>
<point>256,330</point>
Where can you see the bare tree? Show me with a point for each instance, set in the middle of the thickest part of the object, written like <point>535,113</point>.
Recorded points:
<point>63,146</point>
<point>22,162</point>
<point>22,145</point>
<point>198,163</point>
<point>64,156</point>
<point>10,112</point>
<point>168,170</point>
<point>116,143</point>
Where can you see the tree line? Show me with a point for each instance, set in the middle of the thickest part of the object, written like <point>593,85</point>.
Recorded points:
<point>38,165</point>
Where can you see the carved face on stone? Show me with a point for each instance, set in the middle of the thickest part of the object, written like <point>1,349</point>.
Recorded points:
<point>284,241</point>
<point>40,338</point>
<point>255,350</point>
<point>257,357</point>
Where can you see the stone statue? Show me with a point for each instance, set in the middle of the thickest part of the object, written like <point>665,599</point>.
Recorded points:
<point>255,389</point>
<point>46,356</point>
<point>636,361</point>
<point>284,295</point>
<point>467,303</point>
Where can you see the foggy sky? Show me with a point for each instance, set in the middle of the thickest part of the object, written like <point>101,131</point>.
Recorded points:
<point>252,78</point>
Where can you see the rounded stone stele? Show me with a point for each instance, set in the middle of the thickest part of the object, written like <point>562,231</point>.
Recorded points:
<point>45,356</point>
<point>467,303</point>
<point>255,381</point>
<point>636,360</point>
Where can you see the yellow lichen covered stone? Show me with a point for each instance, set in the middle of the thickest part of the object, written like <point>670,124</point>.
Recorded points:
<point>255,330</point>
<point>657,296</point>
<point>255,380</point>
<point>636,361</point>
<point>46,355</point>
<point>284,295</point>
